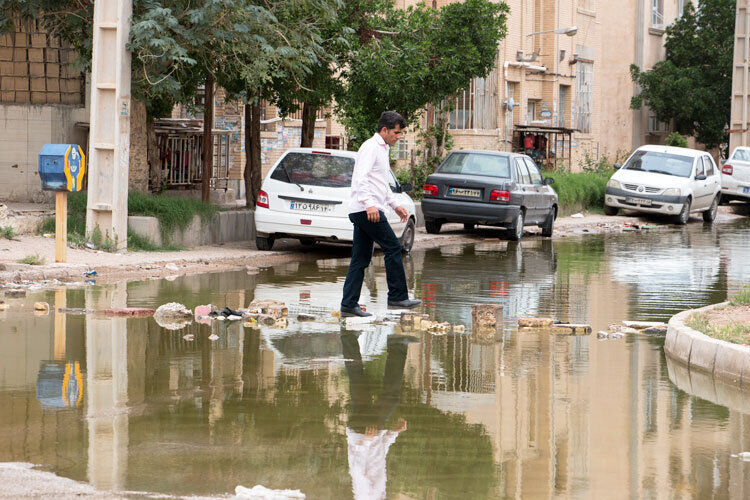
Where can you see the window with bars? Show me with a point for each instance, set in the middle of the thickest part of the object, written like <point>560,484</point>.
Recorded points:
<point>584,95</point>
<point>402,150</point>
<point>655,126</point>
<point>587,5</point>
<point>476,106</point>
<point>657,12</point>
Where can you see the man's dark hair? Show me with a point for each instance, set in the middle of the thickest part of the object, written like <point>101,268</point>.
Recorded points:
<point>389,120</point>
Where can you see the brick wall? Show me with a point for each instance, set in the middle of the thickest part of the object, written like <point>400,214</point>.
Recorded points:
<point>138,169</point>
<point>34,68</point>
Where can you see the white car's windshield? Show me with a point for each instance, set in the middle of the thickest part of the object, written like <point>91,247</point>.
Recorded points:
<point>741,154</point>
<point>660,163</point>
<point>476,164</point>
<point>315,169</point>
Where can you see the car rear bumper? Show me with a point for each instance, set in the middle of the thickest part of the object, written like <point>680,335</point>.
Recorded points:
<point>468,212</point>
<point>287,224</point>
<point>730,187</point>
<point>658,203</point>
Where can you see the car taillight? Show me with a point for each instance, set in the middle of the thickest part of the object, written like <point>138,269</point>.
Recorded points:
<point>430,189</point>
<point>497,195</point>
<point>262,199</point>
<point>727,169</point>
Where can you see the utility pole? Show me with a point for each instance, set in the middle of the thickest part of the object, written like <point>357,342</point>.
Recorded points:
<point>109,136</point>
<point>740,117</point>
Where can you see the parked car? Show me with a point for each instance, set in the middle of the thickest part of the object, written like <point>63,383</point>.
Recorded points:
<point>735,176</point>
<point>306,196</point>
<point>490,188</point>
<point>666,180</point>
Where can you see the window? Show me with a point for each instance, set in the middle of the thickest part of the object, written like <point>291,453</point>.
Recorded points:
<point>708,165</point>
<point>536,177</point>
<point>657,12</point>
<point>315,170</point>
<point>680,7</point>
<point>530,111</point>
<point>741,154</point>
<point>523,172</point>
<point>699,167</point>
<point>475,106</point>
<point>402,150</point>
<point>562,105</point>
<point>333,142</point>
<point>655,126</point>
<point>476,164</point>
<point>662,163</point>
<point>585,95</point>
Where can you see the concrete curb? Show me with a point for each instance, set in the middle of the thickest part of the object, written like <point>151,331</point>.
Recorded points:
<point>726,361</point>
<point>226,226</point>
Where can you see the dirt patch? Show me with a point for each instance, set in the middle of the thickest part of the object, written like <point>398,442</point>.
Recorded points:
<point>731,323</point>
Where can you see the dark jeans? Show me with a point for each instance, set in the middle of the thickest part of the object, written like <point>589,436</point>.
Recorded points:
<point>367,409</point>
<point>365,234</point>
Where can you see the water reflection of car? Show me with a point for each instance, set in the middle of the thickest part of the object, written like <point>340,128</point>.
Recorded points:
<point>490,188</point>
<point>666,180</point>
<point>735,176</point>
<point>306,196</point>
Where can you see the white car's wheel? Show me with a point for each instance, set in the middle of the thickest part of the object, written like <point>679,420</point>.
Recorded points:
<point>684,216</point>
<point>407,238</point>
<point>710,214</point>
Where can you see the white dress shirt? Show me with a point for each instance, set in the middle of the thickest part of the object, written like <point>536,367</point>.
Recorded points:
<point>367,464</point>
<point>371,177</point>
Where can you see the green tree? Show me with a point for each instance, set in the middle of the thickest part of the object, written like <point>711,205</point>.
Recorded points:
<point>693,85</point>
<point>415,57</point>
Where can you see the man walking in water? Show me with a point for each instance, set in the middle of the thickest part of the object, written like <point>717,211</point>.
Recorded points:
<point>371,192</point>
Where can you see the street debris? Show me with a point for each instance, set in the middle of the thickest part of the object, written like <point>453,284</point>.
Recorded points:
<point>602,335</point>
<point>641,325</point>
<point>259,492</point>
<point>171,267</point>
<point>744,456</point>
<point>3,306</point>
<point>15,293</point>
<point>274,308</point>
<point>173,316</point>
<point>655,330</point>
<point>213,336</point>
<point>305,317</point>
<point>486,314</point>
<point>252,270</point>
<point>74,310</point>
<point>535,322</point>
<point>189,337</point>
<point>42,307</point>
<point>579,215</point>
<point>90,273</point>
<point>135,312</point>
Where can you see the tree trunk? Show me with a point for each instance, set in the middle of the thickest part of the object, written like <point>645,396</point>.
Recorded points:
<point>153,158</point>
<point>309,113</point>
<point>253,166</point>
<point>208,140</point>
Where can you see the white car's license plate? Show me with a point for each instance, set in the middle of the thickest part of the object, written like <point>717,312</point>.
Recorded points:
<point>639,201</point>
<point>745,190</point>
<point>473,193</point>
<point>304,206</point>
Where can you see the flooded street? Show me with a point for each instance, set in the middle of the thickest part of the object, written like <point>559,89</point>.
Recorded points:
<point>127,405</point>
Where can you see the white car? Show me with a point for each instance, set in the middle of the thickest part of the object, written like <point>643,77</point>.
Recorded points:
<point>735,176</point>
<point>306,196</point>
<point>666,180</point>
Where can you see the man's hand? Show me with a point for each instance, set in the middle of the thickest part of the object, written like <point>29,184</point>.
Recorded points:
<point>373,214</point>
<point>402,213</point>
<point>400,426</point>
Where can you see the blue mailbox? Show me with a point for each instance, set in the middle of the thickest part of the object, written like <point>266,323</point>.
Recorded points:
<point>62,167</point>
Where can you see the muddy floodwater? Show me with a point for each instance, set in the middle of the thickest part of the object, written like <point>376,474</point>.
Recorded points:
<point>383,411</point>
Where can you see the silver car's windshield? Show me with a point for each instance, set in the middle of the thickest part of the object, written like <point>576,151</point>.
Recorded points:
<point>660,163</point>
<point>476,164</point>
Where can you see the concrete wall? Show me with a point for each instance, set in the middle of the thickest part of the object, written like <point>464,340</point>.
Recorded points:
<point>231,225</point>
<point>724,360</point>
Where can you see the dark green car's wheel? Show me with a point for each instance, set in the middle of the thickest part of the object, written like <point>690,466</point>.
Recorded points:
<point>515,231</point>
<point>549,222</point>
<point>432,226</point>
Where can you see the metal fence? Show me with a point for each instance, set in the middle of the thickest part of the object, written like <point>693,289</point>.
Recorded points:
<point>181,153</point>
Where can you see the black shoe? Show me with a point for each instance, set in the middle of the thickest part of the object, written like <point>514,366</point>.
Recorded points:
<point>406,304</point>
<point>350,312</point>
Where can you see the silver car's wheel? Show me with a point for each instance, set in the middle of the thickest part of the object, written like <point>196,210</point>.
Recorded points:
<point>515,231</point>
<point>710,214</point>
<point>407,239</point>
<point>684,216</point>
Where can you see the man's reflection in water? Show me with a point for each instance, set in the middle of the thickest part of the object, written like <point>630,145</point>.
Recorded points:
<point>366,433</point>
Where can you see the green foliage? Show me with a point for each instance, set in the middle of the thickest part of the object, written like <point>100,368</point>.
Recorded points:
<point>414,57</point>
<point>7,232</point>
<point>692,86</point>
<point>32,260</point>
<point>676,139</point>
<point>742,298</point>
<point>603,166</point>
<point>579,191</point>
<point>172,212</point>
<point>138,243</point>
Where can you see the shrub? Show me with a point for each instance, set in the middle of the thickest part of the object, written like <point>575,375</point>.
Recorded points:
<point>675,139</point>
<point>33,260</point>
<point>579,191</point>
<point>7,232</point>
